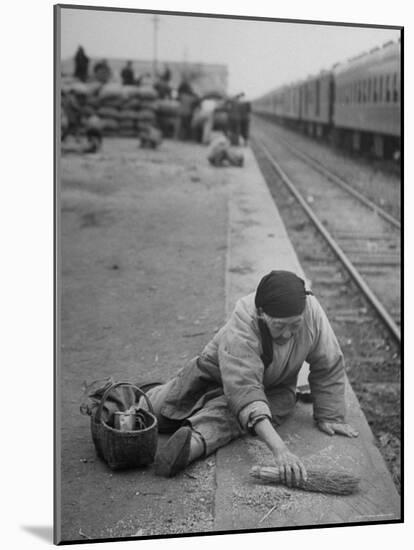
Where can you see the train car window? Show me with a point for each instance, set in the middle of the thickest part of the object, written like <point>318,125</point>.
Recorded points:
<point>395,88</point>
<point>381,88</point>
<point>387,89</point>
<point>359,92</point>
<point>369,90</point>
<point>318,98</point>
<point>374,90</point>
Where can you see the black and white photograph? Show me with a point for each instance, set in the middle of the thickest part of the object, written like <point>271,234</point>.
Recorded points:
<point>229,277</point>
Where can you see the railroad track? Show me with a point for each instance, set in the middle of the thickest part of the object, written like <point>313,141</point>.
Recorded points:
<point>371,244</point>
<point>341,182</point>
<point>362,236</point>
<point>386,206</point>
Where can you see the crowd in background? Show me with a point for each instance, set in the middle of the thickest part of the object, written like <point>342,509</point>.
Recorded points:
<point>191,116</point>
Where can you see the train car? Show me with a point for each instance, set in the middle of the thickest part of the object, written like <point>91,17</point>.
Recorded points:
<point>278,103</point>
<point>282,105</point>
<point>264,105</point>
<point>356,104</point>
<point>367,102</point>
<point>291,110</point>
<point>271,105</point>
<point>316,104</point>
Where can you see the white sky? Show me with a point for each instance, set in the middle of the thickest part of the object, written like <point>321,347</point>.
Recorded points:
<point>260,55</point>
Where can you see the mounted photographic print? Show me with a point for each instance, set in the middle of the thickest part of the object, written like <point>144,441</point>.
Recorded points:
<point>228,274</point>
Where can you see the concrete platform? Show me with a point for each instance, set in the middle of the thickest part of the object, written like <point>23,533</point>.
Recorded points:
<point>257,243</point>
<point>154,245</point>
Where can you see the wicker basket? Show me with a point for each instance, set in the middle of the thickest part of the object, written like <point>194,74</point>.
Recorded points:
<point>122,450</point>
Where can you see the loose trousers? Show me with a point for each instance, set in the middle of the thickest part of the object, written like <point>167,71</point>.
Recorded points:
<point>215,422</point>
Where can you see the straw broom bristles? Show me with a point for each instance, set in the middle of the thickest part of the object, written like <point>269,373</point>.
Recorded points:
<point>321,481</point>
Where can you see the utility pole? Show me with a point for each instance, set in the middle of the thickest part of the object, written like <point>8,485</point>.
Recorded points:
<point>185,63</point>
<point>155,20</point>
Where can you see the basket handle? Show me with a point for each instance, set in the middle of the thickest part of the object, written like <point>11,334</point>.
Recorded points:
<point>107,392</point>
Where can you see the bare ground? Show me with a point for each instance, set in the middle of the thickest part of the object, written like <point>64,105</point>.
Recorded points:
<point>142,291</point>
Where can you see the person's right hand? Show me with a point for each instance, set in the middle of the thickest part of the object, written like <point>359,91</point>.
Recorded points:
<point>292,471</point>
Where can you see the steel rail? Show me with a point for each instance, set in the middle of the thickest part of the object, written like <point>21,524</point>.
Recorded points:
<point>374,301</point>
<point>340,182</point>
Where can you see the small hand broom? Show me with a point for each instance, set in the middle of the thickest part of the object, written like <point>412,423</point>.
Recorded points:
<point>335,482</point>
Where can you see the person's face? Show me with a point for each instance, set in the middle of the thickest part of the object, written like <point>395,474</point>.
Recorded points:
<point>283,329</point>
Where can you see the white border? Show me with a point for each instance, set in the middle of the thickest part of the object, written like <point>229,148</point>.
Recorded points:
<point>27,234</point>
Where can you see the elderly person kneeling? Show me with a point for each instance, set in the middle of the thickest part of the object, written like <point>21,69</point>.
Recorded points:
<point>245,379</point>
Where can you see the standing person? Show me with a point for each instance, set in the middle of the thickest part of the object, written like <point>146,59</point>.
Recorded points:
<point>234,111</point>
<point>203,119</point>
<point>102,71</point>
<point>245,108</point>
<point>72,115</point>
<point>207,108</point>
<point>188,99</point>
<point>162,84</point>
<point>81,65</point>
<point>245,379</point>
<point>127,74</point>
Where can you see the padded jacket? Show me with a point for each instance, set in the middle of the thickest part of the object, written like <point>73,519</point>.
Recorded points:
<point>231,364</point>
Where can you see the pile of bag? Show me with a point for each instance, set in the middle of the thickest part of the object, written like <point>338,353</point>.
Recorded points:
<point>125,110</point>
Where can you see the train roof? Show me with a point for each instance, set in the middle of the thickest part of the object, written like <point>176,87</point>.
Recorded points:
<point>387,53</point>
<point>390,51</point>
<point>320,74</point>
<point>271,93</point>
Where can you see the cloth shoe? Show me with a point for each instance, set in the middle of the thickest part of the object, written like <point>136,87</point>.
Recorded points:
<point>174,455</point>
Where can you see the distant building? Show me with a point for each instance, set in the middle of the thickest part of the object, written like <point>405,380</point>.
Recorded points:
<point>204,77</point>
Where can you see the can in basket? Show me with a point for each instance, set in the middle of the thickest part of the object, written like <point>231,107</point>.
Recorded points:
<point>125,449</point>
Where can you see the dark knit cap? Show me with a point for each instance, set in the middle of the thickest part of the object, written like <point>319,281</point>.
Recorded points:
<point>281,294</point>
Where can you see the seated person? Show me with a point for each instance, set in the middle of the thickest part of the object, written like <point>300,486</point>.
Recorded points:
<point>245,379</point>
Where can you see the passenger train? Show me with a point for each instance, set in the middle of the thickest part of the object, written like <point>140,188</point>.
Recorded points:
<point>356,104</point>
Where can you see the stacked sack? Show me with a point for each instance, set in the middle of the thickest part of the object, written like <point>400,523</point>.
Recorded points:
<point>125,110</point>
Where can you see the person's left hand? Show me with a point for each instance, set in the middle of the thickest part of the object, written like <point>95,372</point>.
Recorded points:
<point>332,428</point>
